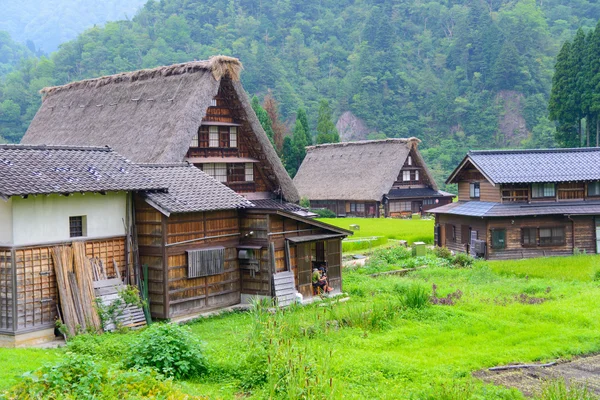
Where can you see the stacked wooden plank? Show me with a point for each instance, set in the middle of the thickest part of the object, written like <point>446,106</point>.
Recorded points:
<point>83,273</point>
<point>285,288</point>
<point>63,264</point>
<point>128,315</point>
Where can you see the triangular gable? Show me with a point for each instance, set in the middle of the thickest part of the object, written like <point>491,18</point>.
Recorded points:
<point>466,163</point>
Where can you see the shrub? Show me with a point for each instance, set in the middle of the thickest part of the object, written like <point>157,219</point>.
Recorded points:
<point>597,275</point>
<point>108,346</point>
<point>170,349</point>
<point>462,260</point>
<point>79,376</point>
<point>304,202</point>
<point>415,296</point>
<point>442,252</point>
<point>324,213</point>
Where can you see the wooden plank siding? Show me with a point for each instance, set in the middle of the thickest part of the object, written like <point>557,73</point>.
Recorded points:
<point>462,227</point>
<point>487,192</point>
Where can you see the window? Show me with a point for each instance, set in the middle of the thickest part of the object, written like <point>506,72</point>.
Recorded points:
<point>541,190</point>
<point>77,226</point>
<point>236,173</point>
<point>205,262</point>
<point>249,172</point>
<point>406,176</point>
<point>213,136</point>
<point>594,189</point>
<point>552,236</point>
<point>416,175</point>
<point>498,238</point>
<point>529,237</point>
<point>233,136</point>
<point>213,103</point>
<point>357,207</point>
<point>474,190</point>
<point>409,161</point>
<point>194,141</point>
<point>429,202</point>
<point>400,206</point>
<point>450,233</point>
<point>217,171</point>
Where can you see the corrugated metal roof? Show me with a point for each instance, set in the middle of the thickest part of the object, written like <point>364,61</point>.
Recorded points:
<point>417,192</point>
<point>527,166</point>
<point>314,238</point>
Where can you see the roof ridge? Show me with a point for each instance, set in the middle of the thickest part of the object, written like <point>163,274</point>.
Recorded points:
<point>526,151</point>
<point>17,146</point>
<point>366,142</point>
<point>219,65</point>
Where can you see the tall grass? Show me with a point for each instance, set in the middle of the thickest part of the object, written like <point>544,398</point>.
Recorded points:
<point>579,268</point>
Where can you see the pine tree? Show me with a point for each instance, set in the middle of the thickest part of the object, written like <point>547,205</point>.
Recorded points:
<point>506,74</point>
<point>263,118</point>
<point>560,104</point>
<point>303,118</point>
<point>326,130</point>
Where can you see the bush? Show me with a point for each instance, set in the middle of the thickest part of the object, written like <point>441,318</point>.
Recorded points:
<point>463,260</point>
<point>415,297</point>
<point>108,346</point>
<point>304,202</point>
<point>324,213</point>
<point>442,252</point>
<point>79,376</point>
<point>170,349</point>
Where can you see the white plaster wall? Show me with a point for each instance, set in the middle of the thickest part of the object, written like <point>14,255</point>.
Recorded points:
<point>6,224</point>
<point>43,219</point>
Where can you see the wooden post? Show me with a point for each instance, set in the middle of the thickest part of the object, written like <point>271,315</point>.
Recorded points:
<point>272,266</point>
<point>15,316</point>
<point>288,257</point>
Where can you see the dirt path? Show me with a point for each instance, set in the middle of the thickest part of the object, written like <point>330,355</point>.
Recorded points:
<point>583,371</point>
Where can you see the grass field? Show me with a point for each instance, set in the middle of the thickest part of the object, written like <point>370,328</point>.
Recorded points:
<point>411,230</point>
<point>375,346</point>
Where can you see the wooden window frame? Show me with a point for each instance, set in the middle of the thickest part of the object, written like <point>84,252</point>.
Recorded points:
<point>543,190</point>
<point>535,236</point>
<point>474,190</point>
<point>233,137</point>
<point>553,242</point>
<point>497,247</point>
<point>249,172</point>
<point>236,173</point>
<point>405,176</point>
<point>213,136</point>
<point>588,189</point>
<point>409,160</point>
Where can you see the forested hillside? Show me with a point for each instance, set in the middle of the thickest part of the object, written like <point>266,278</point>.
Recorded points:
<point>47,23</point>
<point>458,75</point>
<point>11,53</point>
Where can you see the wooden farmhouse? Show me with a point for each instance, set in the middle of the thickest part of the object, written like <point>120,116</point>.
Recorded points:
<point>523,203</point>
<point>220,224</point>
<point>369,178</point>
<point>50,196</point>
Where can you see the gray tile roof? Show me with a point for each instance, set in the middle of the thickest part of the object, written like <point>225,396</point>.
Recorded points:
<point>527,166</point>
<point>487,209</point>
<point>416,192</point>
<point>271,204</point>
<point>190,190</point>
<point>26,170</point>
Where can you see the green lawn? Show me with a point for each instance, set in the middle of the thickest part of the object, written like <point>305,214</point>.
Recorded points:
<point>411,230</point>
<point>381,349</point>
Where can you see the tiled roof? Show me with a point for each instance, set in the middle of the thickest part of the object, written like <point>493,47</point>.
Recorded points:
<point>190,190</point>
<point>488,209</point>
<point>527,166</point>
<point>271,204</point>
<point>26,170</point>
<point>416,192</point>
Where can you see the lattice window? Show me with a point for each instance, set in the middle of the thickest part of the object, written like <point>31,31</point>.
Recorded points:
<point>406,176</point>
<point>205,262</point>
<point>529,237</point>
<point>236,173</point>
<point>77,226</point>
<point>220,173</point>
<point>541,190</point>
<point>554,236</point>
<point>213,136</point>
<point>400,206</point>
<point>249,172</point>
<point>233,136</point>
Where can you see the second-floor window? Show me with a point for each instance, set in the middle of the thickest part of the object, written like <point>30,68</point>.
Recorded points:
<point>541,190</point>
<point>216,136</point>
<point>594,189</point>
<point>405,176</point>
<point>228,173</point>
<point>474,190</point>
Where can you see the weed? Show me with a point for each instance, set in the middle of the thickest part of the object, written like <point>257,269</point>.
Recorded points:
<point>462,260</point>
<point>415,297</point>
<point>558,389</point>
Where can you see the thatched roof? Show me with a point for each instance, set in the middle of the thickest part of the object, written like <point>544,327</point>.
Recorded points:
<point>149,116</point>
<point>364,170</point>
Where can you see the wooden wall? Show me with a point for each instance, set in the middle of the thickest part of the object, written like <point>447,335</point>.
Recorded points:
<point>462,226</point>
<point>6,290</point>
<point>487,192</point>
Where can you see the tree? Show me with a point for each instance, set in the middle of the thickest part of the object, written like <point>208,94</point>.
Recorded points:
<point>326,130</point>
<point>506,73</point>
<point>560,106</point>
<point>279,130</point>
<point>294,149</point>
<point>263,118</point>
<point>303,118</point>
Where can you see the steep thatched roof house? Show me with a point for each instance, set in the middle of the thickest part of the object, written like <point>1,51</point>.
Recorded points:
<point>224,227</point>
<point>356,178</point>
<point>196,111</point>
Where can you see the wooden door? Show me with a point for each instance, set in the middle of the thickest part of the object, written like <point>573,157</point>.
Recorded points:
<point>417,206</point>
<point>304,269</point>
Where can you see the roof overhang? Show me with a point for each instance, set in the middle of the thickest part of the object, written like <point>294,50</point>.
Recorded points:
<point>462,165</point>
<point>314,238</point>
<point>319,224</point>
<point>225,160</point>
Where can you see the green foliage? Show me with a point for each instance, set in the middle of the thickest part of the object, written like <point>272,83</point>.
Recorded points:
<point>326,131</point>
<point>170,349</point>
<point>415,297</point>
<point>442,252</point>
<point>305,202</point>
<point>324,213</point>
<point>462,260</point>
<point>78,376</point>
<point>109,314</point>
<point>264,119</point>
<point>558,389</point>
